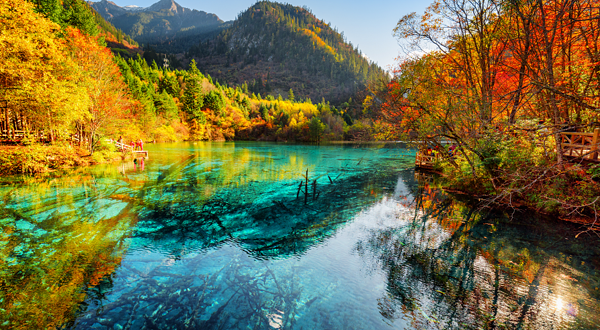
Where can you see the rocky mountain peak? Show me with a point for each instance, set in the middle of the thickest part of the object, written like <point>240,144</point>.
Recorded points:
<point>169,5</point>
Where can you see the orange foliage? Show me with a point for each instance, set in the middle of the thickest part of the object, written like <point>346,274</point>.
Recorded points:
<point>107,91</point>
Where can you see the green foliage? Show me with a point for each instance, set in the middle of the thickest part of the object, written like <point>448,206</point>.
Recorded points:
<point>168,83</point>
<point>77,13</point>
<point>594,171</point>
<point>316,129</point>
<point>215,101</point>
<point>48,8</point>
<point>298,50</point>
<point>165,106</point>
<point>193,99</point>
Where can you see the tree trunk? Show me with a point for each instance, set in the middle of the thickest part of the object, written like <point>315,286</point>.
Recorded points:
<point>549,63</point>
<point>6,120</point>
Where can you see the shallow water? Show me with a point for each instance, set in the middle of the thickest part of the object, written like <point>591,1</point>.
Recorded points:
<point>218,236</point>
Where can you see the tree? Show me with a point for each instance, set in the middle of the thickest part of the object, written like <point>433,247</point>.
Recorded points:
<point>77,13</point>
<point>107,92</point>
<point>316,129</point>
<point>215,101</point>
<point>165,106</point>
<point>193,100</point>
<point>50,9</point>
<point>40,83</point>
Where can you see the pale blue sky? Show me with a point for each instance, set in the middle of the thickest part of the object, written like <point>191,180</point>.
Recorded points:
<point>367,24</point>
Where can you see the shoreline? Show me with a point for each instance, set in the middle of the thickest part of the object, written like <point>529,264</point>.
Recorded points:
<point>516,204</point>
<point>39,159</point>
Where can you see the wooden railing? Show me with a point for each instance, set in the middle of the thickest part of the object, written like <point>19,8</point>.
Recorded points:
<point>581,145</point>
<point>122,146</point>
<point>9,134</point>
<point>425,161</point>
<point>127,148</point>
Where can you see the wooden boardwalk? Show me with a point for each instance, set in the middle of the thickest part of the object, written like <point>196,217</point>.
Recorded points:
<point>582,146</point>
<point>576,146</point>
<point>424,161</point>
<point>127,148</point>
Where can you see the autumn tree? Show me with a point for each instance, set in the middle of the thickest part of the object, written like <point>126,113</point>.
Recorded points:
<point>494,77</point>
<point>40,84</point>
<point>109,102</point>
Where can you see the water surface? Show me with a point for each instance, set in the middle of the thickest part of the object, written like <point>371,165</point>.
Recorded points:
<point>219,236</point>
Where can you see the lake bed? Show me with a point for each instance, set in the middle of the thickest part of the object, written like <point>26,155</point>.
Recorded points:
<point>223,236</point>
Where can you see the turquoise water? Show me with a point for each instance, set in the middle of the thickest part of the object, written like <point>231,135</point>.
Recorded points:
<point>219,236</point>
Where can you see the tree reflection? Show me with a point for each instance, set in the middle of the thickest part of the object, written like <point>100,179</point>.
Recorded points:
<point>53,247</point>
<point>451,267</point>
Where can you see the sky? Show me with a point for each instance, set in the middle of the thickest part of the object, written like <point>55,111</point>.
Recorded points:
<point>366,24</point>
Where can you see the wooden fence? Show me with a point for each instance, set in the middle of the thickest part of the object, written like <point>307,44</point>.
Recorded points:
<point>11,134</point>
<point>423,160</point>
<point>127,148</point>
<point>581,145</point>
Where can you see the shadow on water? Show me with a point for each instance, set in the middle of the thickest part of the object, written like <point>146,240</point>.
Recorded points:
<point>217,236</point>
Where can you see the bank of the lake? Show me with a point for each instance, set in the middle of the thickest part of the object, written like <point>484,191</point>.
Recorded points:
<point>570,193</point>
<point>37,159</point>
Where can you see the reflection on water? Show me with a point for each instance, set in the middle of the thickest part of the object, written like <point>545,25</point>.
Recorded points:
<point>219,236</point>
<point>449,267</point>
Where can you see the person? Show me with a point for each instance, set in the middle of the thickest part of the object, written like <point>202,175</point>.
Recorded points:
<point>436,151</point>
<point>141,144</point>
<point>451,149</point>
<point>121,143</point>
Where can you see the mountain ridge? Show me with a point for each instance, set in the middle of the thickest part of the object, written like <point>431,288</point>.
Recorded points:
<point>275,47</point>
<point>162,20</point>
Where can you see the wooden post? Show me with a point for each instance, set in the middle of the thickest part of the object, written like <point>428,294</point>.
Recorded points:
<point>306,188</point>
<point>299,188</point>
<point>594,148</point>
<point>6,122</point>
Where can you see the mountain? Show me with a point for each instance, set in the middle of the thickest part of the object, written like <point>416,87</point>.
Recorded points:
<point>161,21</point>
<point>273,47</point>
<point>108,9</point>
<point>133,8</point>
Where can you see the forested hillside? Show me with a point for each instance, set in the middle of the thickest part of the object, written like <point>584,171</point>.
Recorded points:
<point>186,104</point>
<point>274,47</point>
<point>61,84</point>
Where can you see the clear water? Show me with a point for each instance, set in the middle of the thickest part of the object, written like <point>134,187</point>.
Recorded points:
<point>217,236</point>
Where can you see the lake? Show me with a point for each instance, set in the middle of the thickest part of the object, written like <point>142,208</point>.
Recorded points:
<point>225,236</point>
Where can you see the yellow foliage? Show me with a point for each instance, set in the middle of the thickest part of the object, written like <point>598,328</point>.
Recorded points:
<point>318,41</point>
<point>40,80</point>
